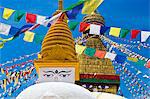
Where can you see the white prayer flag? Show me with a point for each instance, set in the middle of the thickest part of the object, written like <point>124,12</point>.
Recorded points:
<point>40,19</point>
<point>4,29</point>
<point>95,29</point>
<point>110,56</point>
<point>144,35</point>
<point>52,20</point>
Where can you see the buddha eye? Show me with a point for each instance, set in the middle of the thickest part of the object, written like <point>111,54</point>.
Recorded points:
<point>106,87</point>
<point>100,86</point>
<point>48,75</point>
<point>90,86</point>
<point>84,86</point>
<point>64,75</point>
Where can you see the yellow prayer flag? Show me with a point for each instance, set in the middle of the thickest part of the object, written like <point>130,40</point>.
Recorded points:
<point>80,49</point>
<point>90,6</point>
<point>16,81</point>
<point>29,36</point>
<point>132,59</point>
<point>114,31</point>
<point>7,13</point>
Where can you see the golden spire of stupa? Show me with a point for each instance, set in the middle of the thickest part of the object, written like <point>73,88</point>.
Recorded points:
<point>58,43</point>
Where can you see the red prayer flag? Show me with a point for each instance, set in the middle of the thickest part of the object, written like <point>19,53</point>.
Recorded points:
<point>83,26</point>
<point>148,65</point>
<point>30,18</point>
<point>100,54</point>
<point>134,33</point>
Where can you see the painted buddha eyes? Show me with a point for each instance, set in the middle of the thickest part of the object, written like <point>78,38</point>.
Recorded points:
<point>103,87</point>
<point>64,75</point>
<point>48,75</point>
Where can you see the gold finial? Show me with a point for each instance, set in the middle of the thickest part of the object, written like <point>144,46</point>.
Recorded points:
<point>60,5</point>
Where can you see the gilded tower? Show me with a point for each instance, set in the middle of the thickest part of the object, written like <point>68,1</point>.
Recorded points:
<point>58,60</point>
<point>96,74</point>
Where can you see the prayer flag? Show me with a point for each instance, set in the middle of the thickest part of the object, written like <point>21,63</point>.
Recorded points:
<point>80,49</point>
<point>13,30</point>
<point>141,62</point>
<point>124,32</point>
<point>73,13</point>
<point>38,39</point>
<point>148,64</point>
<point>110,56</point>
<point>52,20</point>
<point>4,29</point>
<point>134,33</point>
<point>29,36</point>
<point>120,59</point>
<point>31,18</point>
<point>144,35</point>
<point>100,54</point>
<point>103,29</point>
<point>114,31</point>
<point>89,51</point>
<point>7,13</point>
<point>90,6</point>
<point>95,29</point>
<point>40,19</point>
<point>132,59</point>
<point>18,15</point>
<point>73,25</point>
<point>83,26</point>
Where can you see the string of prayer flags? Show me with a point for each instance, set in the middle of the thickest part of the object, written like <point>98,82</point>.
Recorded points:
<point>100,54</point>
<point>124,33</point>
<point>110,56</point>
<point>4,29</point>
<point>89,51</point>
<point>114,31</point>
<point>73,25</point>
<point>30,18</point>
<point>134,33</point>
<point>80,48</point>
<point>40,19</point>
<point>144,35</point>
<point>95,29</point>
<point>7,13</point>
<point>18,15</point>
<point>90,6</point>
<point>29,36</point>
<point>83,26</point>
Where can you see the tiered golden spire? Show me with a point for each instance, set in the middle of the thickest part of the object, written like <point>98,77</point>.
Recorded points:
<point>58,43</point>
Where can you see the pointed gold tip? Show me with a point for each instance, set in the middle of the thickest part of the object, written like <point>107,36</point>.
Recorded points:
<point>60,5</point>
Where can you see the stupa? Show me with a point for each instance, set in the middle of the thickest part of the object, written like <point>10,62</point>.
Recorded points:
<point>96,74</point>
<point>58,60</point>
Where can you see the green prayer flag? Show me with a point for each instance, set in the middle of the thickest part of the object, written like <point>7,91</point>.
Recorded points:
<point>38,39</point>
<point>124,32</point>
<point>141,62</point>
<point>18,15</point>
<point>74,5</point>
<point>73,25</point>
<point>90,51</point>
